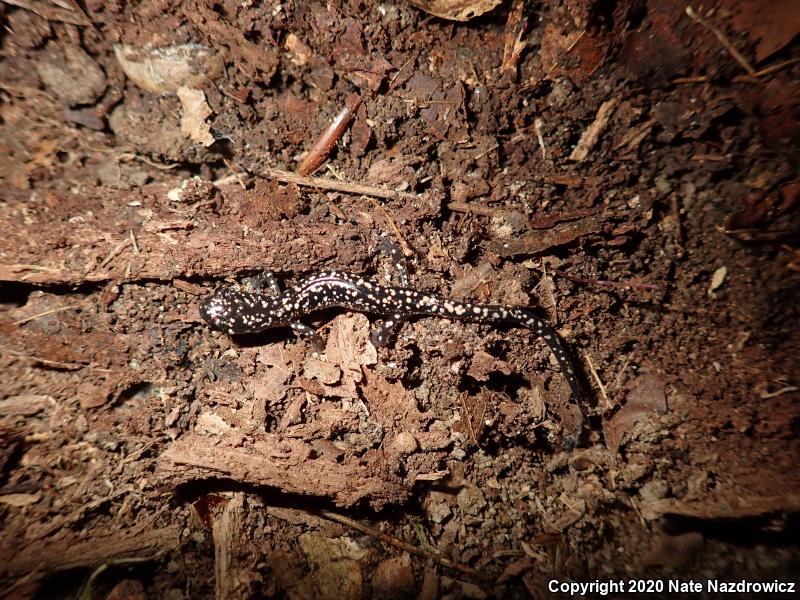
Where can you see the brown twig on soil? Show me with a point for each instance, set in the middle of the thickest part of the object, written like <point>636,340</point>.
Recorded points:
<point>328,138</point>
<point>147,161</point>
<point>784,390</point>
<point>44,314</point>
<point>776,67</point>
<point>537,125</point>
<point>548,288</point>
<point>722,40</point>
<point>119,248</point>
<point>236,174</point>
<point>468,418</point>
<point>398,543</point>
<point>676,217</point>
<point>592,134</point>
<point>133,242</point>
<point>334,185</point>
<point>768,70</point>
<point>79,551</point>
<point>600,384</point>
<point>406,249</point>
<point>49,363</point>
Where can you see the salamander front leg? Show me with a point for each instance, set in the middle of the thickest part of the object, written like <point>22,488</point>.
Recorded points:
<point>305,331</point>
<point>263,282</point>
<point>397,272</point>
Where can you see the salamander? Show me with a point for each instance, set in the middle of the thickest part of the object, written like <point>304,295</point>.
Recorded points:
<point>236,311</point>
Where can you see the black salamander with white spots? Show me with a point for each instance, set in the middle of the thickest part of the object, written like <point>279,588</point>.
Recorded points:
<point>236,311</point>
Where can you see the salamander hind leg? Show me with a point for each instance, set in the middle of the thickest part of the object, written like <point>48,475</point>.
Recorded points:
<point>558,347</point>
<point>386,331</point>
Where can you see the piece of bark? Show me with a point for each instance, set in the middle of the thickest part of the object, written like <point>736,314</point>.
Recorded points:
<point>725,504</point>
<point>50,556</point>
<point>276,461</point>
<point>93,241</point>
<point>233,577</point>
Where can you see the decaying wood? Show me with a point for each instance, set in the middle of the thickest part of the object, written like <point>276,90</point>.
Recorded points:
<point>232,577</point>
<point>275,461</point>
<point>166,247</point>
<point>49,556</point>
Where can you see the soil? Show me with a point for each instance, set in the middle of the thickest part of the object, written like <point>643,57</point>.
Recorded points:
<point>618,165</point>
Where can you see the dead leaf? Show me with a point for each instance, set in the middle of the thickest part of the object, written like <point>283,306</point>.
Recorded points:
<point>770,30</point>
<point>456,10</point>
<point>162,70</point>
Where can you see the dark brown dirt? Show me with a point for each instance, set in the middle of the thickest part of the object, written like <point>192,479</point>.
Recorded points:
<point>617,167</point>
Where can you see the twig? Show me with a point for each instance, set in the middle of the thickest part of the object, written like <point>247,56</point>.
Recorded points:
<point>722,40</point>
<point>592,133</point>
<point>600,384</point>
<point>233,178</point>
<point>133,242</point>
<point>780,392</point>
<point>515,40</point>
<point>407,252</point>
<point>147,161</point>
<point>235,173</point>
<point>119,248</point>
<point>776,67</point>
<point>334,185</point>
<point>548,288</point>
<point>676,217</point>
<point>50,363</point>
<point>537,125</point>
<point>44,314</point>
<point>468,417</point>
<point>398,543</point>
<point>635,506</point>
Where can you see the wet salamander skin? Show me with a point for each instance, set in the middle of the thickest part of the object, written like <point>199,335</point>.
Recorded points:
<point>239,312</point>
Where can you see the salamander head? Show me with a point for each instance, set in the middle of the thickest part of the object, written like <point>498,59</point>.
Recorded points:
<point>236,312</point>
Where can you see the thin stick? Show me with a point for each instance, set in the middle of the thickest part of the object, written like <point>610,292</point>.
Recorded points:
<point>133,242</point>
<point>44,314</point>
<point>780,392</point>
<point>593,371</point>
<point>335,185</point>
<point>119,248</point>
<point>776,67</point>
<point>549,291</point>
<point>722,40</point>
<point>407,252</point>
<point>398,543</point>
